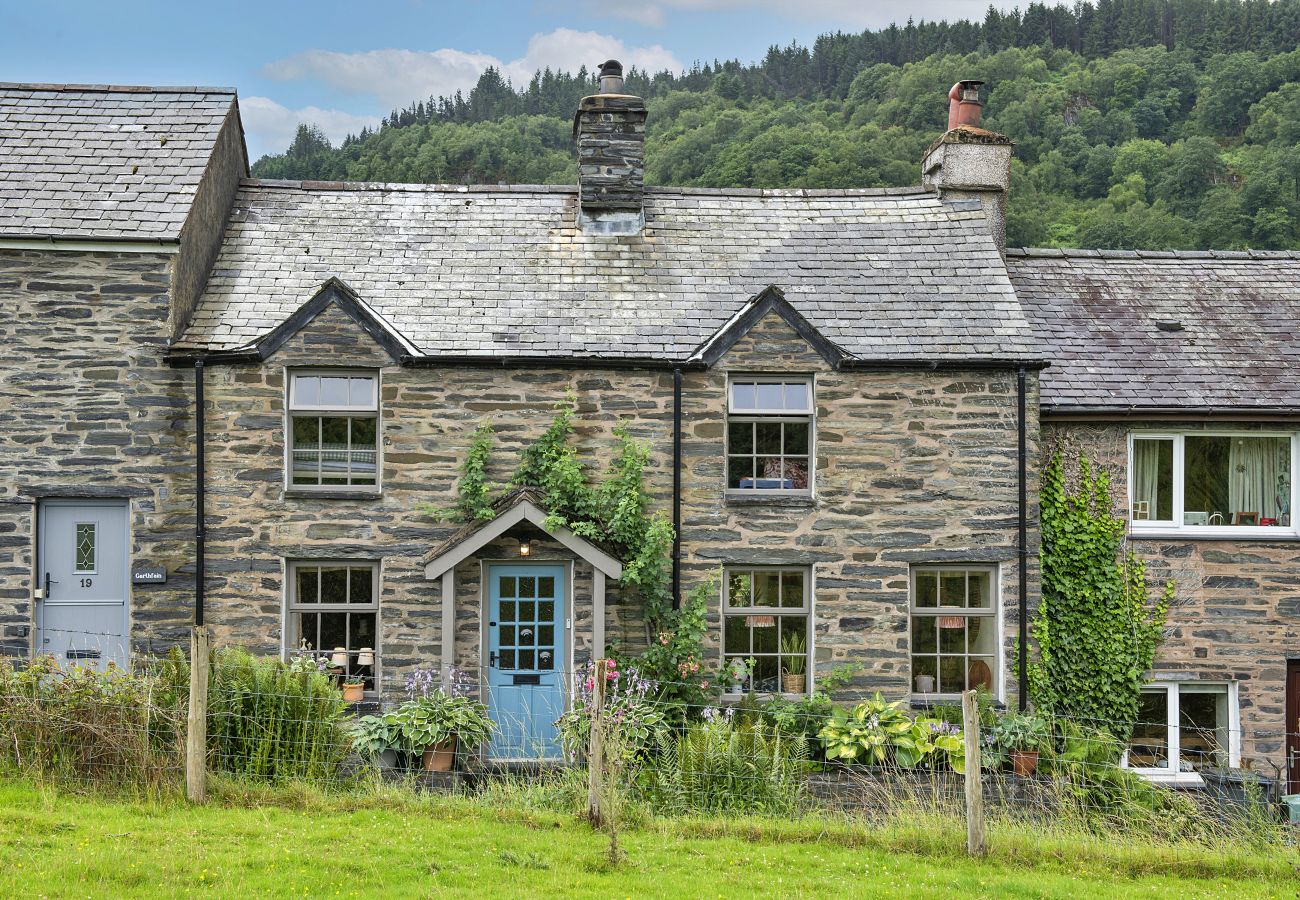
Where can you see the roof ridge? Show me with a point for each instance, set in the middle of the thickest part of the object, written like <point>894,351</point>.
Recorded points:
<point>57,88</point>
<point>1174,255</point>
<point>414,187</point>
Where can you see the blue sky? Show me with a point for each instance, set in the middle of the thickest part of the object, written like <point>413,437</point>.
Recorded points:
<point>343,65</point>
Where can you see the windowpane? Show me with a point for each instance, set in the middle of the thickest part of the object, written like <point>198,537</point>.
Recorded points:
<point>308,583</point>
<point>979,674</point>
<point>333,391</point>
<point>333,631</point>
<point>546,586</point>
<point>363,435</point>
<point>1153,480</point>
<point>796,438</point>
<point>333,585</point>
<point>770,396</point>
<point>952,588</point>
<point>735,638</point>
<point>740,437</point>
<point>766,674</point>
<point>527,587</point>
<point>1149,746</point>
<point>792,590</point>
<point>85,546</point>
<point>952,634</point>
<point>796,396</point>
<point>740,472</point>
<point>952,675</point>
<point>1203,726</point>
<point>767,437</point>
<point>981,635</point>
<point>360,582</point>
<point>927,589</point>
<point>506,586</point>
<point>306,390</point>
<point>546,610</point>
<point>507,635</point>
<point>765,637</point>
<point>361,391</point>
<point>978,595</point>
<point>742,395</point>
<point>307,625</point>
<point>1237,480</point>
<point>739,592</point>
<point>527,659</point>
<point>767,588</point>
<point>924,635</point>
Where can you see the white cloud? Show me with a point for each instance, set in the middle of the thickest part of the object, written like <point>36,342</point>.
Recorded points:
<point>846,13</point>
<point>398,77</point>
<point>270,126</point>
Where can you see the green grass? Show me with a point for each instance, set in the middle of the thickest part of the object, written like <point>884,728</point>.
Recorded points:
<point>384,843</point>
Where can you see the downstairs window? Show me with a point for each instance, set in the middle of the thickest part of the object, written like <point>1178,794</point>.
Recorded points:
<point>1183,727</point>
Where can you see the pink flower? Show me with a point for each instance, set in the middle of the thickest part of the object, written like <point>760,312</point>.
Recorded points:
<point>704,685</point>
<point>591,684</point>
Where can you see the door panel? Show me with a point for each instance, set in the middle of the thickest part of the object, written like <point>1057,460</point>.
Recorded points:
<point>526,659</point>
<point>82,566</point>
<point>1292,727</point>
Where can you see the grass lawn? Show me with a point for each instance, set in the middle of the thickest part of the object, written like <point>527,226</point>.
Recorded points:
<point>59,844</point>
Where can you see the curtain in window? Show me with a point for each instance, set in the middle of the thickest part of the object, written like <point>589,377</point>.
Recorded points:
<point>1146,478</point>
<point>1254,467</point>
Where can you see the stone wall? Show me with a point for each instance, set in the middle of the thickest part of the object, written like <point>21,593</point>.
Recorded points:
<point>912,467</point>
<point>89,409</point>
<point>1236,610</point>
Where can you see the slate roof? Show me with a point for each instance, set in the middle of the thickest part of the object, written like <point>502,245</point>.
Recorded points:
<point>1146,331</point>
<point>886,274</point>
<point>103,162</point>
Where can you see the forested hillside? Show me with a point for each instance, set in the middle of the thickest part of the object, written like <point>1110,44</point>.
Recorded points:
<point>1138,124</point>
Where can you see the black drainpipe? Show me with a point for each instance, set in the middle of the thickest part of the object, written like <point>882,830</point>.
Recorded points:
<point>677,487</point>
<point>1023,538</point>
<point>199,498</point>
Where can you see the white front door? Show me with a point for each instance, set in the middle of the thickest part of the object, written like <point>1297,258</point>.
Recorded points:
<point>82,569</point>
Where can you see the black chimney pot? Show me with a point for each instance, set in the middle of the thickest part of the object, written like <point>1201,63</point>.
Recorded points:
<point>611,67</point>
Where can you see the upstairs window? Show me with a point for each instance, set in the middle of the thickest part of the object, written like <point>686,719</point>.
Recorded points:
<point>334,423</point>
<point>1204,482</point>
<point>770,434</point>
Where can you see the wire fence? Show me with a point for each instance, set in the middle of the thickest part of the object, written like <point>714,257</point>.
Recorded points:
<point>586,741</point>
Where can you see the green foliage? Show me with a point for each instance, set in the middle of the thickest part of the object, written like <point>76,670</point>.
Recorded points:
<point>273,720</point>
<point>795,645</point>
<point>634,722</point>
<point>1209,94</point>
<point>551,466</point>
<point>474,501</point>
<point>114,728</point>
<point>719,766</point>
<point>1096,627</point>
<point>865,733</point>
<point>675,660</point>
<point>806,716</point>
<point>422,722</point>
<point>1021,731</point>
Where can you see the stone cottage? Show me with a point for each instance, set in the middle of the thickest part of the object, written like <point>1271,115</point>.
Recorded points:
<point>844,394</point>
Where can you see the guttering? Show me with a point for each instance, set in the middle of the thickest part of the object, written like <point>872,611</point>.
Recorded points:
<point>548,362</point>
<point>677,487</point>
<point>87,244</point>
<point>1022,537</point>
<point>200,525</point>
<point>1190,412</point>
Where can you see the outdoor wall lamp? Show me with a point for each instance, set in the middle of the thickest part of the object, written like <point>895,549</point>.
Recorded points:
<point>525,548</point>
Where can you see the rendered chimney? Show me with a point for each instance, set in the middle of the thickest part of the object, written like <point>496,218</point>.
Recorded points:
<point>609,129</point>
<point>971,163</point>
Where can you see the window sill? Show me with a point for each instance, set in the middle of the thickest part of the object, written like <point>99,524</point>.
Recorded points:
<point>782,499</point>
<point>930,701</point>
<point>1178,779</point>
<point>306,494</point>
<point>1237,533</point>
<point>731,699</point>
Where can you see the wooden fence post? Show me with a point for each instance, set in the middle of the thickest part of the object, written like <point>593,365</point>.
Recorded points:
<point>975,837</point>
<point>596,749</point>
<point>196,730</point>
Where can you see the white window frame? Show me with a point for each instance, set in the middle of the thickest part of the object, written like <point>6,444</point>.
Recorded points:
<point>994,613</point>
<point>1176,528</point>
<point>741,415</point>
<point>1173,689</point>
<point>294,409</point>
<point>292,639</point>
<point>806,611</point>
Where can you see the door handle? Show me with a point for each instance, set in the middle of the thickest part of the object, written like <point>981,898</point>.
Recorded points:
<point>48,582</point>
<point>492,659</point>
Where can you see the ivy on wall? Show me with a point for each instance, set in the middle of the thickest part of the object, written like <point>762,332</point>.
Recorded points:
<point>1097,627</point>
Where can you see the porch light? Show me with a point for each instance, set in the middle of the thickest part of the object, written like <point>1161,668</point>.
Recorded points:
<point>525,548</point>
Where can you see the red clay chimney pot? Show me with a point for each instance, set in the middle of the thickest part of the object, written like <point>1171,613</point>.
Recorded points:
<point>964,104</point>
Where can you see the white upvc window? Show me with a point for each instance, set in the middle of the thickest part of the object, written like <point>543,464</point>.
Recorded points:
<point>333,430</point>
<point>955,632</point>
<point>770,432</point>
<point>1212,483</point>
<point>1185,726</point>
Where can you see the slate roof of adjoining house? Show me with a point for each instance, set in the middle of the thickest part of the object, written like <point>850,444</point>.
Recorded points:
<point>886,274</point>
<point>1164,331</point>
<point>101,161</point>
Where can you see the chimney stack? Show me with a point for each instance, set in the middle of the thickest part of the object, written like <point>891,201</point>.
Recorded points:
<point>971,163</point>
<point>609,129</point>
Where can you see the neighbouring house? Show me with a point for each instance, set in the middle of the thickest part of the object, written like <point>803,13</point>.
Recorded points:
<point>847,395</point>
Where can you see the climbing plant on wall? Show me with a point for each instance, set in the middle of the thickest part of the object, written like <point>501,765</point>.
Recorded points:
<point>1097,626</point>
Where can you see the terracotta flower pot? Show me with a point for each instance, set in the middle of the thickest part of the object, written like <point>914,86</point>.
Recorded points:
<point>440,757</point>
<point>794,684</point>
<point>1024,762</point>
<point>354,693</point>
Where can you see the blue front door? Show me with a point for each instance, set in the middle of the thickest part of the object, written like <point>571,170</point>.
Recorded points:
<point>526,660</point>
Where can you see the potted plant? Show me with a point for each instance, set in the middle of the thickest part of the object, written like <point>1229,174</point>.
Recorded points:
<point>795,659</point>
<point>433,726</point>
<point>1023,735</point>
<point>378,738</point>
<point>354,688</point>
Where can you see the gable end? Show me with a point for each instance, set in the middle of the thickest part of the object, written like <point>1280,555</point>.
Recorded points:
<point>336,292</point>
<point>770,300</point>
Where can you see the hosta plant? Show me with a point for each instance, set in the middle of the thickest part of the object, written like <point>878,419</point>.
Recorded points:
<point>865,733</point>
<point>930,742</point>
